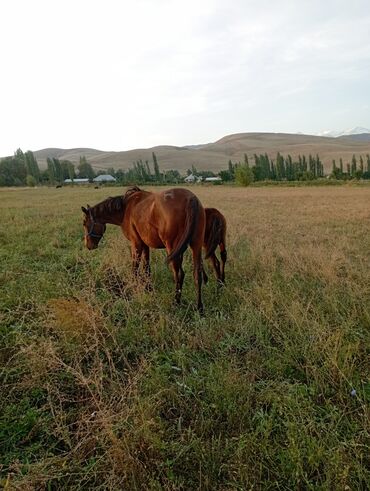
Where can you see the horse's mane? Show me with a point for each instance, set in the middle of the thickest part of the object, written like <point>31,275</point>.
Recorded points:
<point>109,206</point>
<point>131,190</point>
<point>113,205</point>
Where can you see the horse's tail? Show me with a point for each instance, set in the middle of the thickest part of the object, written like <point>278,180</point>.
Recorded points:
<point>215,235</point>
<point>189,229</point>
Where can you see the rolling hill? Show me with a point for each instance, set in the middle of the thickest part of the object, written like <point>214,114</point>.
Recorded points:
<point>215,156</point>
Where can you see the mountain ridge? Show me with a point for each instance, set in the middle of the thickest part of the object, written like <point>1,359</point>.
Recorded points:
<point>215,155</point>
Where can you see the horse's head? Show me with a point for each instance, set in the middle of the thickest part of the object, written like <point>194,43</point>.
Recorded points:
<point>93,229</point>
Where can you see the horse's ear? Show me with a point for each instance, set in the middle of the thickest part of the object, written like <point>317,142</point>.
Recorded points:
<point>84,210</point>
<point>88,206</point>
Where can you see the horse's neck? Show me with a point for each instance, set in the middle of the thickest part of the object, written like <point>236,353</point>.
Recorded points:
<point>115,218</point>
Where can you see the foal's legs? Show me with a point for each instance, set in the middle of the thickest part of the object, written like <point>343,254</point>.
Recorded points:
<point>223,261</point>
<point>178,275</point>
<point>216,266</point>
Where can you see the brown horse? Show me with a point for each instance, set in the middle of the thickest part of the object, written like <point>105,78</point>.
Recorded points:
<point>171,220</point>
<point>215,235</point>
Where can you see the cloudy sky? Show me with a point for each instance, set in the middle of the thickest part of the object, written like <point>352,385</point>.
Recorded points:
<point>119,74</point>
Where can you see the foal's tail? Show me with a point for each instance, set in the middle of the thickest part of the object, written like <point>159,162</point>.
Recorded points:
<point>189,229</point>
<point>216,234</point>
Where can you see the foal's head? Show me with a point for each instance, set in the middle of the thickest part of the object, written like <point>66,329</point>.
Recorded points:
<point>94,230</point>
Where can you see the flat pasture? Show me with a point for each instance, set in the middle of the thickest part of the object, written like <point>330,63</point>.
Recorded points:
<point>104,385</point>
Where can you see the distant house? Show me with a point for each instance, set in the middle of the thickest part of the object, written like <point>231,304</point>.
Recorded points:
<point>76,181</point>
<point>213,179</point>
<point>104,178</point>
<point>192,178</point>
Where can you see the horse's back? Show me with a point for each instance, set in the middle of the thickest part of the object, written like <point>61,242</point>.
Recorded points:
<point>160,218</point>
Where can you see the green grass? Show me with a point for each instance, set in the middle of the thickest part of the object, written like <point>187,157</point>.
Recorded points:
<point>106,386</point>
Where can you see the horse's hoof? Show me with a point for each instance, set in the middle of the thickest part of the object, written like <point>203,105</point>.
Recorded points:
<point>201,310</point>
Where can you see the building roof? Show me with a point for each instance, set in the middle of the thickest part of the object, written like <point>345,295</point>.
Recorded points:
<point>104,178</point>
<point>76,180</point>
<point>192,178</point>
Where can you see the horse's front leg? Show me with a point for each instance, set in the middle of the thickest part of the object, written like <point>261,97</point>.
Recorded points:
<point>146,256</point>
<point>136,251</point>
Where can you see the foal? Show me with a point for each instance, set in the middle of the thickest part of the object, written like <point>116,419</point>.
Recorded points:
<point>215,235</point>
<point>171,220</point>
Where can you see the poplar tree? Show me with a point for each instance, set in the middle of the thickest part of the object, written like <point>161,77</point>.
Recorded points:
<point>32,166</point>
<point>361,164</point>
<point>84,169</point>
<point>148,169</point>
<point>156,168</point>
<point>51,170</point>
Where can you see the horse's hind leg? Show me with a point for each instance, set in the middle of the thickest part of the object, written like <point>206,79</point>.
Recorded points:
<point>178,275</point>
<point>205,277</point>
<point>223,261</point>
<point>198,273</point>
<point>216,266</point>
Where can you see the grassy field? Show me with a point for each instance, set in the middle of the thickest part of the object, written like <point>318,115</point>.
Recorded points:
<point>107,386</point>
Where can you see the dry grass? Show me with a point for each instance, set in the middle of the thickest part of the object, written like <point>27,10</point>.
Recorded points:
<point>107,386</point>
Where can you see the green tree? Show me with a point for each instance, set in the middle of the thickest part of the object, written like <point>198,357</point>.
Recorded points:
<point>243,175</point>
<point>68,169</point>
<point>225,175</point>
<point>84,169</point>
<point>51,170</point>
<point>157,173</point>
<point>19,170</point>
<point>6,172</point>
<point>280,167</point>
<point>58,170</point>
<point>31,181</point>
<point>361,165</point>
<point>32,165</point>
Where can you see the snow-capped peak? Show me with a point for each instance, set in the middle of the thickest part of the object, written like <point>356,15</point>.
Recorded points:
<point>357,130</point>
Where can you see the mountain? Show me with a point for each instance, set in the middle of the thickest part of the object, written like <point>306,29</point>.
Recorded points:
<point>358,130</point>
<point>215,156</point>
<point>362,137</point>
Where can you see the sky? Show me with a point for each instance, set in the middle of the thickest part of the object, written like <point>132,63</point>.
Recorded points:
<point>117,74</point>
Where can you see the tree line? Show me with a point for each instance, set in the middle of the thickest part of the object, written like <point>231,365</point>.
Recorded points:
<point>22,169</point>
<point>286,168</point>
<point>353,170</point>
